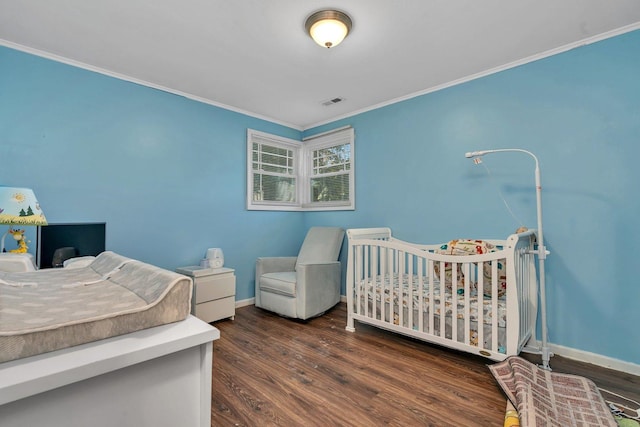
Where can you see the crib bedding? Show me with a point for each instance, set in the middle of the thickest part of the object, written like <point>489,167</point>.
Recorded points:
<point>51,309</point>
<point>384,285</point>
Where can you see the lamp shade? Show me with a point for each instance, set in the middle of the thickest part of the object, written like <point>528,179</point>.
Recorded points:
<point>328,27</point>
<point>18,206</point>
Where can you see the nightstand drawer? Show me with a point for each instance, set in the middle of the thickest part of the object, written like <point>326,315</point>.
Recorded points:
<point>216,310</point>
<point>214,287</point>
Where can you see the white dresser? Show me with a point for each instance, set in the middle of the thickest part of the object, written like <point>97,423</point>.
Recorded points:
<point>214,292</point>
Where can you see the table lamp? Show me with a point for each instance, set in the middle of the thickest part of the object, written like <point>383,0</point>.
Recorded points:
<point>19,207</point>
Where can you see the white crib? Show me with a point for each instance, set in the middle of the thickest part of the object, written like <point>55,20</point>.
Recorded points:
<point>396,285</point>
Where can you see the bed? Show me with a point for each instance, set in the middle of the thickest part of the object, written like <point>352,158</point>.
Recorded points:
<point>107,342</point>
<point>476,296</point>
<point>51,309</point>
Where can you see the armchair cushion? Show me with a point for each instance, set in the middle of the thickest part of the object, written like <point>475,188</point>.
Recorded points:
<point>322,244</point>
<point>283,283</point>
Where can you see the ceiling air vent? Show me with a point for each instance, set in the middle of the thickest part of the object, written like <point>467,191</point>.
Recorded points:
<point>332,101</point>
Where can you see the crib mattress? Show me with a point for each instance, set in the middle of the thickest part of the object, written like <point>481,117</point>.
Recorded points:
<point>381,287</point>
<point>51,309</point>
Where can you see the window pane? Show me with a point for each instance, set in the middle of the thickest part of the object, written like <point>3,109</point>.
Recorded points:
<point>273,188</point>
<point>330,188</point>
<point>273,159</point>
<point>331,159</point>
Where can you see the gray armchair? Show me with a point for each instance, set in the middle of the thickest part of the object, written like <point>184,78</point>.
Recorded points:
<point>304,286</point>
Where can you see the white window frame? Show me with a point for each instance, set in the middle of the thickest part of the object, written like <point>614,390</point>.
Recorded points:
<point>254,136</point>
<point>303,166</point>
<point>342,136</point>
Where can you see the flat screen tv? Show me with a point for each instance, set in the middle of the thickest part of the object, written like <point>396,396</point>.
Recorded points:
<point>88,238</point>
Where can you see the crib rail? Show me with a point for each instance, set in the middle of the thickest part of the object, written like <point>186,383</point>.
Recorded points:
<point>450,300</point>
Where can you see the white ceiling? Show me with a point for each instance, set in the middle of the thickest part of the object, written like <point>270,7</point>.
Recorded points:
<point>253,56</point>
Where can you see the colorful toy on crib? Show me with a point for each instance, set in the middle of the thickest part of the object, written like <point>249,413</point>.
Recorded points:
<point>473,337</point>
<point>18,236</point>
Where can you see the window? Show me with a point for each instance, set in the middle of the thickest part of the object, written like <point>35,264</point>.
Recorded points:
<point>315,174</point>
<point>273,170</point>
<point>330,177</point>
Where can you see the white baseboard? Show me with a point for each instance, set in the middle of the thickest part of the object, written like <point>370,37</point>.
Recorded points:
<point>594,359</point>
<point>245,302</point>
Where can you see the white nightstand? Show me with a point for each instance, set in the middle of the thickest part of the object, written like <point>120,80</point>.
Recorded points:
<point>214,292</point>
<point>13,262</point>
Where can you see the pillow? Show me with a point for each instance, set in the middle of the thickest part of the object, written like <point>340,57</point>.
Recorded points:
<point>78,262</point>
<point>466,247</point>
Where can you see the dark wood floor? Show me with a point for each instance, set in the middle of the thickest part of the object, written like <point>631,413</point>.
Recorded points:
<point>271,371</point>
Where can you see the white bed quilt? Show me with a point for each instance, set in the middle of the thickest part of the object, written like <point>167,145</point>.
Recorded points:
<point>51,309</point>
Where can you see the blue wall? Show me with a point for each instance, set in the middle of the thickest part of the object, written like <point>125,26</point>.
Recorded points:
<point>167,174</point>
<point>579,113</point>
<point>98,149</point>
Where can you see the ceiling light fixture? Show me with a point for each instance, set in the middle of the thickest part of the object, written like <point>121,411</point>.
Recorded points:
<point>328,27</point>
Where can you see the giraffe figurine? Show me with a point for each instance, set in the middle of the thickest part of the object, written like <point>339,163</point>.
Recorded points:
<point>18,236</point>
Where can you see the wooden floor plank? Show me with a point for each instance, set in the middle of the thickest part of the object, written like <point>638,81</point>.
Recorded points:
<point>272,371</point>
